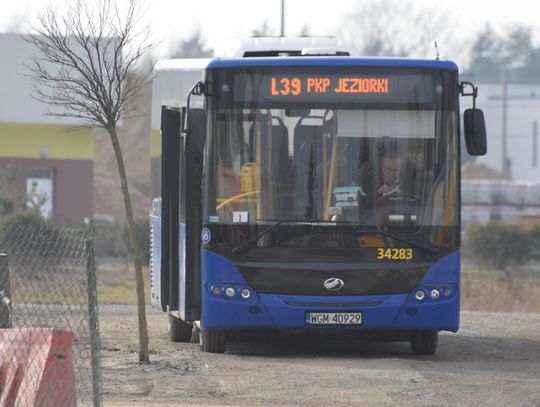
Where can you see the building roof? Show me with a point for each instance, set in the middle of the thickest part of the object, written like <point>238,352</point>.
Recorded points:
<point>17,104</point>
<point>473,170</point>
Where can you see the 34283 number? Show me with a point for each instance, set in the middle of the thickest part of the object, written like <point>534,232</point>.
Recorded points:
<point>394,254</point>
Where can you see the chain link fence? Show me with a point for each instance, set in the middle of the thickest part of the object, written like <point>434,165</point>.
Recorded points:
<point>48,309</point>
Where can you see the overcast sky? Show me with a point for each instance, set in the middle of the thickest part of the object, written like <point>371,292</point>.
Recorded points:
<point>173,20</point>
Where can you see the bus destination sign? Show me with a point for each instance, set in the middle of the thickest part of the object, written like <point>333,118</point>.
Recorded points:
<point>379,89</point>
<point>301,86</point>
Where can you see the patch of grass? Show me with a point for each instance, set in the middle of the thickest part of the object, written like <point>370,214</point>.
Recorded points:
<point>494,290</point>
<point>116,284</point>
<point>45,298</point>
<point>47,285</point>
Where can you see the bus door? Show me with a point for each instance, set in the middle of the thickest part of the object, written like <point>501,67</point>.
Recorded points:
<point>177,285</point>
<point>165,287</point>
<point>191,181</point>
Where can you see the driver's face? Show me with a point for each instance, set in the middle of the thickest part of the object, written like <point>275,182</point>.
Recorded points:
<point>390,169</point>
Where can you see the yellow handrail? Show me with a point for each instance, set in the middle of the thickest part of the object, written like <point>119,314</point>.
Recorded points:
<point>325,153</point>
<point>449,210</point>
<point>235,198</point>
<point>258,162</point>
<point>331,180</point>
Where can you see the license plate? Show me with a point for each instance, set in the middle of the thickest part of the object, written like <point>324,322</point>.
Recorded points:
<point>334,318</point>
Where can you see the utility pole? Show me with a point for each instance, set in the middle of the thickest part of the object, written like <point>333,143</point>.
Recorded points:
<point>282,31</point>
<point>504,80</point>
<point>535,144</point>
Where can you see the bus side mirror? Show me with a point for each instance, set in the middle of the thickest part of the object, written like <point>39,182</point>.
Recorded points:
<point>475,131</point>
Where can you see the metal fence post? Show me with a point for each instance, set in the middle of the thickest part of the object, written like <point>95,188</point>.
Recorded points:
<point>5,293</point>
<point>93,321</point>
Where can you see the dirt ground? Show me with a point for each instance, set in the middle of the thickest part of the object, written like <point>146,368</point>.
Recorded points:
<point>494,360</point>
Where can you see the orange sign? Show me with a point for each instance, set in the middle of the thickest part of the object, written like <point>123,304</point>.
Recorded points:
<point>295,86</point>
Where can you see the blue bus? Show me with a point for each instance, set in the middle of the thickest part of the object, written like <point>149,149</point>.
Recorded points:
<point>312,193</point>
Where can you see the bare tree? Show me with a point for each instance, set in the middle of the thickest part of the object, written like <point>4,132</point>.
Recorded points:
<point>85,67</point>
<point>399,28</point>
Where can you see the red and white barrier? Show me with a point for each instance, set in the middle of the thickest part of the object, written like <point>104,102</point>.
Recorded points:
<point>36,368</point>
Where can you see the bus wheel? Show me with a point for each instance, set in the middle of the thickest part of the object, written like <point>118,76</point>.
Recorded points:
<point>424,342</point>
<point>212,341</point>
<point>179,331</point>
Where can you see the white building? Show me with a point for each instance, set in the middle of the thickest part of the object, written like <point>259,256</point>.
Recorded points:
<point>53,157</point>
<point>522,124</point>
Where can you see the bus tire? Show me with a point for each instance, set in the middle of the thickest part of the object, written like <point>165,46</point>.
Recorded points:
<point>424,342</point>
<point>179,331</point>
<point>212,341</point>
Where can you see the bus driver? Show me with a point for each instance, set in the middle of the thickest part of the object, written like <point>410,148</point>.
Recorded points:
<point>391,169</point>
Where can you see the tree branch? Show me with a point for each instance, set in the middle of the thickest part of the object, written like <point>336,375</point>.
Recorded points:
<point>87,60</point>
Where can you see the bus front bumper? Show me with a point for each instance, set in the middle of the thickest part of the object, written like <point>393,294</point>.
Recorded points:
<point>283,312</point>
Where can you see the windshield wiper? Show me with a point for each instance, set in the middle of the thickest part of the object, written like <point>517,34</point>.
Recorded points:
<point>248,242</point>
<point>374,231</point>
<point>279,222</point>
<point>427,249</point>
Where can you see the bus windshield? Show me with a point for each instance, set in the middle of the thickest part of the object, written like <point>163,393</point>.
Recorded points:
<point>335,146</point>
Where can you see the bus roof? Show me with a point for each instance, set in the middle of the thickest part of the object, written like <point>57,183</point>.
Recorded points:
<point>183,64</point>
<point>331,61</point>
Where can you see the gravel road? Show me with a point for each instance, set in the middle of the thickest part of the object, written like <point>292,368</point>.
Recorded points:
<point>494,360</point>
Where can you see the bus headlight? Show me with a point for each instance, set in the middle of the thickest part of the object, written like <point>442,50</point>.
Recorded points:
<point>230,292</point>
<point>420,295</point>
<point>245,293</point>
<point>435,294</point>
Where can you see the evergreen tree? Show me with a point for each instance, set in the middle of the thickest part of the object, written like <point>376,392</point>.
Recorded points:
<point>263,31</point>
<point>513,51</point>
<point>193,47</point>
<point>486,56</point>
